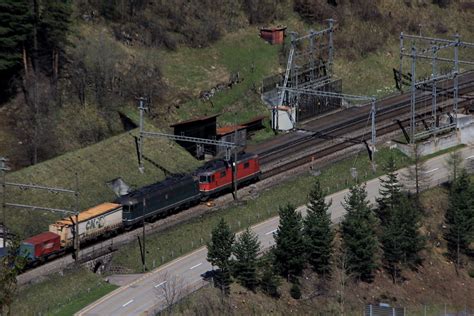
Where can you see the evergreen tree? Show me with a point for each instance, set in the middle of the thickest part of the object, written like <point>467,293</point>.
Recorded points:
<point>389,192</point>
<point>289,250</point>
<point>269,281</point>
<point>54,28</point>
<point>318,233</point>
<point>15,28</point>
<point>246,250</point>
<point>459,217</point>
<point>219,250</point>
<point>358,234</point>
<point>401,240</point>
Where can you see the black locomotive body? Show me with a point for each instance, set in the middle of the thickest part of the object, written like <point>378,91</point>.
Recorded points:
<point>159,199</point>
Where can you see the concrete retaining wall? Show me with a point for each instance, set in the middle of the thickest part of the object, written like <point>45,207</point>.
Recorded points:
<point>464,135</point>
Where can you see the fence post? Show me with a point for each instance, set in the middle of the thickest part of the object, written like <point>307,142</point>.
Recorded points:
<point>370,310</point>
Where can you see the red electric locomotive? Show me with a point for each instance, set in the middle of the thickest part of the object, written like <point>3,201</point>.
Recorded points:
<point>216,176</point>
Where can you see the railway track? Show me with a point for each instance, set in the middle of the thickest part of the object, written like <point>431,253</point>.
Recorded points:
<point>347,127</point>
<point>327,140</point>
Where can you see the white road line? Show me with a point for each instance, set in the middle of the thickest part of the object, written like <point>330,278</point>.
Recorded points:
<point>197,265</point>
<point>129,302</point>
<point>432,170</point>
<point>158,285</point>
<point>271,232</point>
<point>470,157</point>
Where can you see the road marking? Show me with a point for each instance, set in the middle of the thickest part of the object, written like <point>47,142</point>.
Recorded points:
<point>197,265</point>
<point>158,285</point>
<point>271,232</point>
<point>470,157</point>
<point>432,170</point>
<point>203,249</point>
<point>129,302</point>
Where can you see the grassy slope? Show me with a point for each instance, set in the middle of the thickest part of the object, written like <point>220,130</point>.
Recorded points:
<point>435,284</point>
<point>193,70</point>
<point>55,296</point>
<point>95,165</point>
<point>176,241</point>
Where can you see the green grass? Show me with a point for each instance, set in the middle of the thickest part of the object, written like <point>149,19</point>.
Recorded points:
<point>174,242</point>
<point>95,165</point>
<point>61,295</point>
<point>194,70</point>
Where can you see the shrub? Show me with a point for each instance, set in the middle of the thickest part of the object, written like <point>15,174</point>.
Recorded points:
<point>295,291</point>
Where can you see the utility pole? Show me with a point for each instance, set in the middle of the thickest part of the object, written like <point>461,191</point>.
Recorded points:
<point>76,197</point>
<point>4,169</point>
<point>143,235</point>
<point>142,108</point>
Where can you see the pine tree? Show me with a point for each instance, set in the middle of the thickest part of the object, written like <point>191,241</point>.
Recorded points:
<point>318,233</point>
<point>219,250</point>
<point>246,250</point>
<point>54,28</point>
<point>401,240</point>
<point>289,250</point>
<point>358,234</point>
<point>390,191</point>
<point>459,217</point>
<point>269,280</point>
<point>15,28</point>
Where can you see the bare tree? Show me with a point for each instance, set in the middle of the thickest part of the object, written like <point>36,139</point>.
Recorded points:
<point>418,177</point>
<point>342,275</point>
<point>454,164</point>
<point>171,289</point>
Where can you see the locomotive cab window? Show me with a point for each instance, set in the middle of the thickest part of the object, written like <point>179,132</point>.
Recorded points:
<point>204,179</point>
<point>246,165</point>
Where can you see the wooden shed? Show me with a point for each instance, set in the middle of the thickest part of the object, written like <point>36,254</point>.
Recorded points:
<point>232,134</point>
<point>273,35</point>
<point>202,127</point>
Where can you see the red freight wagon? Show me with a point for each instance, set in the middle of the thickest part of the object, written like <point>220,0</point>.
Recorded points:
<point>216,175</point>
<point>40,246</point>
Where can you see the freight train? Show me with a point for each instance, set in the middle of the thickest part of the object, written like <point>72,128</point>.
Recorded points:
<point>148,203</point>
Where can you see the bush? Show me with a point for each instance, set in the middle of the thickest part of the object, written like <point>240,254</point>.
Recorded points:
<point>471,273</point>
<point>295,291</point>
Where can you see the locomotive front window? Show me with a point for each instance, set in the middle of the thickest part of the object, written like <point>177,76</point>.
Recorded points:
<point>204,179</point>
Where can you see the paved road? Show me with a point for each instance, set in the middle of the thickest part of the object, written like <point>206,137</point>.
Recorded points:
<point>153,290</point>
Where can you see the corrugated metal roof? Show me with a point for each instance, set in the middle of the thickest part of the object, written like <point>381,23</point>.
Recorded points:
<point>90,213</point>
<point>203,118</point>
<point>229,129</point>
<point>46,236</point>
<point>273,29</point>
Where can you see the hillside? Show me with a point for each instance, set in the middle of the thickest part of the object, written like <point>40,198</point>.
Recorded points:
<point>95,165</point>
<point>117,51</point>
<point>434,284</point>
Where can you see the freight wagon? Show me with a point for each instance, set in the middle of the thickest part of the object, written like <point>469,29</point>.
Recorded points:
<point>95,222</point>
<point>159,199</point>
<point>40,247</point>
<point>216,176</point>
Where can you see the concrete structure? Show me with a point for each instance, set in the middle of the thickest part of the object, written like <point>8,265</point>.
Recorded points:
<point>463,135</point>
